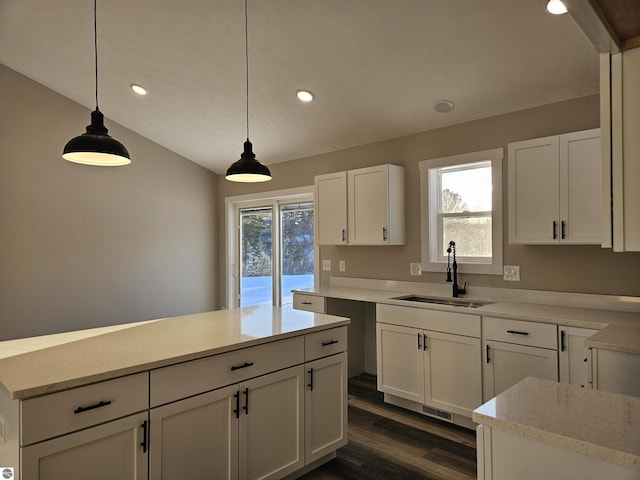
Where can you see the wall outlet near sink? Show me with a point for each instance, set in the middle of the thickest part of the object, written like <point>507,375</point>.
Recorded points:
<point>415,269</point>
<point>511,273</point>
<point>326,265</point>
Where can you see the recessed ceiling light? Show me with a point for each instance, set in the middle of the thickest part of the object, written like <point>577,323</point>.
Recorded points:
<point>139,89</point>
<point>305,95</point>
<point>556,7</point>
<point>443,106</point>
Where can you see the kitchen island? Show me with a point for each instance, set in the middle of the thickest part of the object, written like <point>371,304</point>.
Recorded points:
<point>541,429</point>
<point>256,392</point>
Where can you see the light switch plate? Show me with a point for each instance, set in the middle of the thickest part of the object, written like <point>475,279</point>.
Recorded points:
<point>511,273</point>
<point>342,266</point>
<point>326,265</point>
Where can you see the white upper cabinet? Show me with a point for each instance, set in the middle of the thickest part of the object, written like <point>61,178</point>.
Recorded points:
<point>554,189</point>
<point>361,207</point>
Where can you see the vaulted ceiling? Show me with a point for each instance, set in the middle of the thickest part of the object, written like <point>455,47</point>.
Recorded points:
<point>375,66</point>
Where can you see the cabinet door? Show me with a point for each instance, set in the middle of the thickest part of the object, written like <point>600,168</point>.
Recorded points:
<point>580,197</point>
<point>108,451</point>
<point>453,379</point>
<point>368,194</point>
<point>325,406</point>
<point>574,357</point>
<point>271,425</point>
<point>331,209</point>
<point>534,191</point>
<point>617,372</point>
<point>506,364</point>
<point>196,437</point>
<point>400,361</point>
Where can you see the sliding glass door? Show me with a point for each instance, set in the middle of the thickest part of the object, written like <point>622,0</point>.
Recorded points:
<point>275,251</point>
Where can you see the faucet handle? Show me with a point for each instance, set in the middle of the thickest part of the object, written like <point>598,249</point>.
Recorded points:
<point>462,290</point>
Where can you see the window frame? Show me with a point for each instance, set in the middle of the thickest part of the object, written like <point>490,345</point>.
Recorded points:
<point>432,260</point>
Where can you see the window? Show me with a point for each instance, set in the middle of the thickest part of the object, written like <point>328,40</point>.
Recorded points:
<point>461,200</point>
<point>270,247</point>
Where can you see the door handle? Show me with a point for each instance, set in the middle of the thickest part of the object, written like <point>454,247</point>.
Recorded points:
<point>555,230</point>
<point>310,385</point>
<point>488,358</point>
<point>144,442</point>
<point>424,341</point>
<point>246,401</point>
<point>419,344</point>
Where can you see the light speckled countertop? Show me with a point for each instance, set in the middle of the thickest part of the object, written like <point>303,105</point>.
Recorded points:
<point>50,363</point>
<point>599,424</point>
<point>620,329</point>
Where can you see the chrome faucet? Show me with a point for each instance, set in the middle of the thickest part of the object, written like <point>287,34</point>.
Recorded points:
<point>457,290</point>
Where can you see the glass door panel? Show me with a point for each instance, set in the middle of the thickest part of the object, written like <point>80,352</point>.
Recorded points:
<point>296,225</point>
<point>256,256</point>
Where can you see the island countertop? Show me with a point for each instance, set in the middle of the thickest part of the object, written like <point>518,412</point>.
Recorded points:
<point>42,365</point>
<point>595,423</point>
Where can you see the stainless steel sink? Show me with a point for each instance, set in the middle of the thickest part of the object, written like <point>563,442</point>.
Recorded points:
<point>454,302</point>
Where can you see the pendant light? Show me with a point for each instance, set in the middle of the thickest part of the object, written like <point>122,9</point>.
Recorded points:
<point>247,169</point>
<point>96,146</point>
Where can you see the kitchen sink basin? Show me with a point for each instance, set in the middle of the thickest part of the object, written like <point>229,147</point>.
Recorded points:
<point>454,302</point>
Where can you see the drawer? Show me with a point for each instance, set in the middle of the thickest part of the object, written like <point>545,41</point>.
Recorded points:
<point>70,410</point>
<point>534,334</point>
<point>326,342</point>
<point>197,376</point>
<point>426,319</point>
<point>311,303</point>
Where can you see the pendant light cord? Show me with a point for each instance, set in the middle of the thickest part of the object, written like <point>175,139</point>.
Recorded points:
<point>246,57</point>
<point>95,45</point>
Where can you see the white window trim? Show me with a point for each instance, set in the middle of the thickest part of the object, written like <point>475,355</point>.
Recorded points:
<point>232,207</point>
<point>429,208</point>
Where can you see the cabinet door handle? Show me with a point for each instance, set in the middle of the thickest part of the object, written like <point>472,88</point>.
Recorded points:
<point>330,342</point>
<point>237,409</point>
<point>244,365</point>
<point>516,332</point>
<point>143,444</point>
<point>488,358</point>
<point>310,385</point>
<point>344,235</point>
<point>246,401</point>
<point>563,224</point>
<point>419,340</point>
<point>563,347</point>
<point>424,341</point>
<point>555,230</point>
<point>92,407</point>
<point>384,234</point>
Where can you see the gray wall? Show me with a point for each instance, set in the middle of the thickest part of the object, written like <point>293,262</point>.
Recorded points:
<point>87,246</point>
<point>586,269</point>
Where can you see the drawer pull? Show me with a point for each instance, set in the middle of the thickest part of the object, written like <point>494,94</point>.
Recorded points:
<point>92,407</point>
<point>516,332</point>
<point>307,303</point>
<point>244,365</point>
<point>330,342</point>
<point>144,437</point>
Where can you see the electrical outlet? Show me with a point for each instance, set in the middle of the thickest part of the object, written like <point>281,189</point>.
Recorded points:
<point>326,265</point>
<point>342,266</point>
<point>415,269</point>
<point>511,273</point>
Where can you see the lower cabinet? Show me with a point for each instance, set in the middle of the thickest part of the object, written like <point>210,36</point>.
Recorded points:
<point>433,368</point>
<point>575,358</point>
<point>505,364</point>
<point>117,449</point>
<point>617,372</point>
<point>250,430</point>
<point>325,406</point>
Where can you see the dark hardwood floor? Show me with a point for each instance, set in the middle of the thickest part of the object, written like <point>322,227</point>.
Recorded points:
<point>390,443</point>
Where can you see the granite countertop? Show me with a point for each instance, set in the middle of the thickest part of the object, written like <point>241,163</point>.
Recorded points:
<point>599,424</point>
<point>51,363</point>
<point>619,330</point>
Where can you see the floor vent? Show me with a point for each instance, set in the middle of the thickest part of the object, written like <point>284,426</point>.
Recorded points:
<point>441,414</point>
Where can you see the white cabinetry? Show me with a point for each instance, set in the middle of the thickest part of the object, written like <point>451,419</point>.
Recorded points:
<point>80,433</point>
<point>430,357</point>
<point>361,207</point>
<point>554,189</point>
<point>575,358</point>
<point>617,372</point>
<point>514,350</point>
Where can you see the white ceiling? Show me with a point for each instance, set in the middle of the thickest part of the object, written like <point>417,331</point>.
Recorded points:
<point>376,67</point>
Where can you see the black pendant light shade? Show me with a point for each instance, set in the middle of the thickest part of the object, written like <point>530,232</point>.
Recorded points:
<point>248,169</point>
<point>96,146</point>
